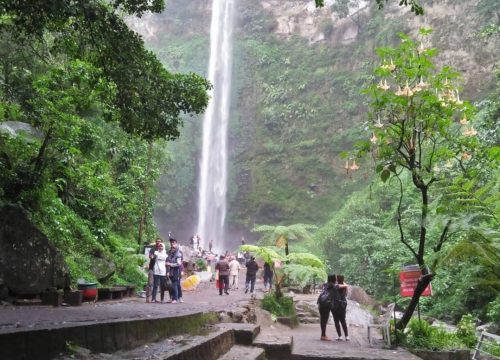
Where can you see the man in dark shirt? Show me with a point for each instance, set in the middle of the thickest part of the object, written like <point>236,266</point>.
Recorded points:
<point>223,268</point>
<point>252,268</point>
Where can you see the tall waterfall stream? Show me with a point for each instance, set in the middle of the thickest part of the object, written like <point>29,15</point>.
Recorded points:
<point>213,169</point>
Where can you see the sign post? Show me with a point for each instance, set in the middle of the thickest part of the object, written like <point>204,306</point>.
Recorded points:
<point>408,278</point>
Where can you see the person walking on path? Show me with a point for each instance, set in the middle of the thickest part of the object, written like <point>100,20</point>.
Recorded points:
<point>339,309</point>
<point>174,263</point>
<point>210,245</point>
<point>234,269</point>
<point>268,276</point>
<point>159,272</point>
<point>152,259</point>
<point>223,268</point>
<point>252,268</point>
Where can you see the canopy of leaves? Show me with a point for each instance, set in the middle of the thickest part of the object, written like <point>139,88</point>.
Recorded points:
<point>280,235</point>
<point>415,7</point>
<point>77,74</point>
<point>265,253</point>
<point>149,100</point>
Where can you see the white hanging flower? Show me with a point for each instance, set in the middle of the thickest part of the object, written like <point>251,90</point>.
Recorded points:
<point>354,167</point>
<point>390,67</point>
<point>383,85</point>
<point>466,156</point>
<point>470,132</point>
<point>421,48</point>
<point>406,90</point>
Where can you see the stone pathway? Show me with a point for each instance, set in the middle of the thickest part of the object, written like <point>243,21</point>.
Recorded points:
<point>205,298</point>
<point>306,343</point>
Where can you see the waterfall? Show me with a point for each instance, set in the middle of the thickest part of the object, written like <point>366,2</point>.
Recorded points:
<point>213,168</point>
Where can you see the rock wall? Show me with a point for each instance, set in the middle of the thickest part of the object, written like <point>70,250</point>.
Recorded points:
<point>29,264</point>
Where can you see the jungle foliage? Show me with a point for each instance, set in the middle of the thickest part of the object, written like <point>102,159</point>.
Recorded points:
<point>96,101</point>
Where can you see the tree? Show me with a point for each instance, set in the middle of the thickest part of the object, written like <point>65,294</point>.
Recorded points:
<point>76,73</point>
<point>280,235</point>
<point>303,268</point>
<point>149,100</point>
<point>420,126</point>
<point>415,7</point>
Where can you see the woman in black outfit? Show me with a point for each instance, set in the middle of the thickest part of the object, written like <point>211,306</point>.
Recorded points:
<point>325,309</point>
<point>339,312</point>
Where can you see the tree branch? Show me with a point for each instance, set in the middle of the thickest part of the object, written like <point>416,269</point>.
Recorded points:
<point>400,226</point>
<point>443,237</point>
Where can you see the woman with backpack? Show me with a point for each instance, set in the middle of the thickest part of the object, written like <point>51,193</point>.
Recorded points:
<point>329,296</point>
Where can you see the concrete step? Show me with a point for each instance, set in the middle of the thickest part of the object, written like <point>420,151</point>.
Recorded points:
<point>210,347</point>
<point>239,352</point>
<point>244,334</point>
<point>207,346</point>
<point>276,346</point>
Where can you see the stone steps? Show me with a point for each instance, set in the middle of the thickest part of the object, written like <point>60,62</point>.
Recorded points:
<point>240,352</point>
<point>275,346</point>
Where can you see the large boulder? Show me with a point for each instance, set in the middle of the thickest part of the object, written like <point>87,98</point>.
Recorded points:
<point>359,295</point>
<point>102,268</point>
<point>29,264</point>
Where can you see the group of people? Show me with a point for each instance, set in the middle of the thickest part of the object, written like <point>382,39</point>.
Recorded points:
<point>333,300</point>
<point>227,274</point>
<point>165,270</point>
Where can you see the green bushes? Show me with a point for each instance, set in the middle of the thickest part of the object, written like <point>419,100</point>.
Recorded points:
<point>421,335</point>
<point>201,265</point>
<point>466,331</point>
<point>278,306</point>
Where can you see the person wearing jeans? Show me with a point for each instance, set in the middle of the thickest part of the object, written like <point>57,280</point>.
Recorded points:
<point>252,268</point>
<point>159,271</point>
<point>174,263</point>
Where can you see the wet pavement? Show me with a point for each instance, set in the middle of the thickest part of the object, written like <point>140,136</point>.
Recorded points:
<point>204,299</point>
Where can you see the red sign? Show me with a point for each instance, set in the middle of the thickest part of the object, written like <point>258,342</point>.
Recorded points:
<point>409,280</point>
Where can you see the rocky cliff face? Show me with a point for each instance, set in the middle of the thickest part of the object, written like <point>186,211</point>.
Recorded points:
<point>29,264</point>
<point>297,79</point>
<point>456,28</point>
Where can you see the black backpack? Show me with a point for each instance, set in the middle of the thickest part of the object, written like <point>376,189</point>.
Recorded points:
<point>326,298</point>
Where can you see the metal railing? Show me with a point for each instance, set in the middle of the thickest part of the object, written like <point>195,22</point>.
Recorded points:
<point>483,346</point>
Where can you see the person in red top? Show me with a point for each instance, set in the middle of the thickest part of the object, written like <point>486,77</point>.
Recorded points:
<point>223,268</point>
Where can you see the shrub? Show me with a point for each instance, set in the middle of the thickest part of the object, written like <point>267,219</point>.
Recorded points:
<point>278,306</point>
<point>466,331</point>
<point>201,264</point>
<point>421,335</point>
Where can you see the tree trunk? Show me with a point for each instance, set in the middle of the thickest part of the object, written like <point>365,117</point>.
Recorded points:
<point>419,289</point>
<point>146,194</point>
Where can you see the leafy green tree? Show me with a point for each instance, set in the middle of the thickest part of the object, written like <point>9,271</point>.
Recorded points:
<point>415,7</point>
<point>419,126</point>
<point>280,235</point>
<point>149,100</point>
<point>302,268</point>
<point>103,106</point>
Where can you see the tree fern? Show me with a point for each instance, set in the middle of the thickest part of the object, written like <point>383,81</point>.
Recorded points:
<point>303,274</point>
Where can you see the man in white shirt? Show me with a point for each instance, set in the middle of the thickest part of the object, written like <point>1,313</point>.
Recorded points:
<point>234,269</point>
